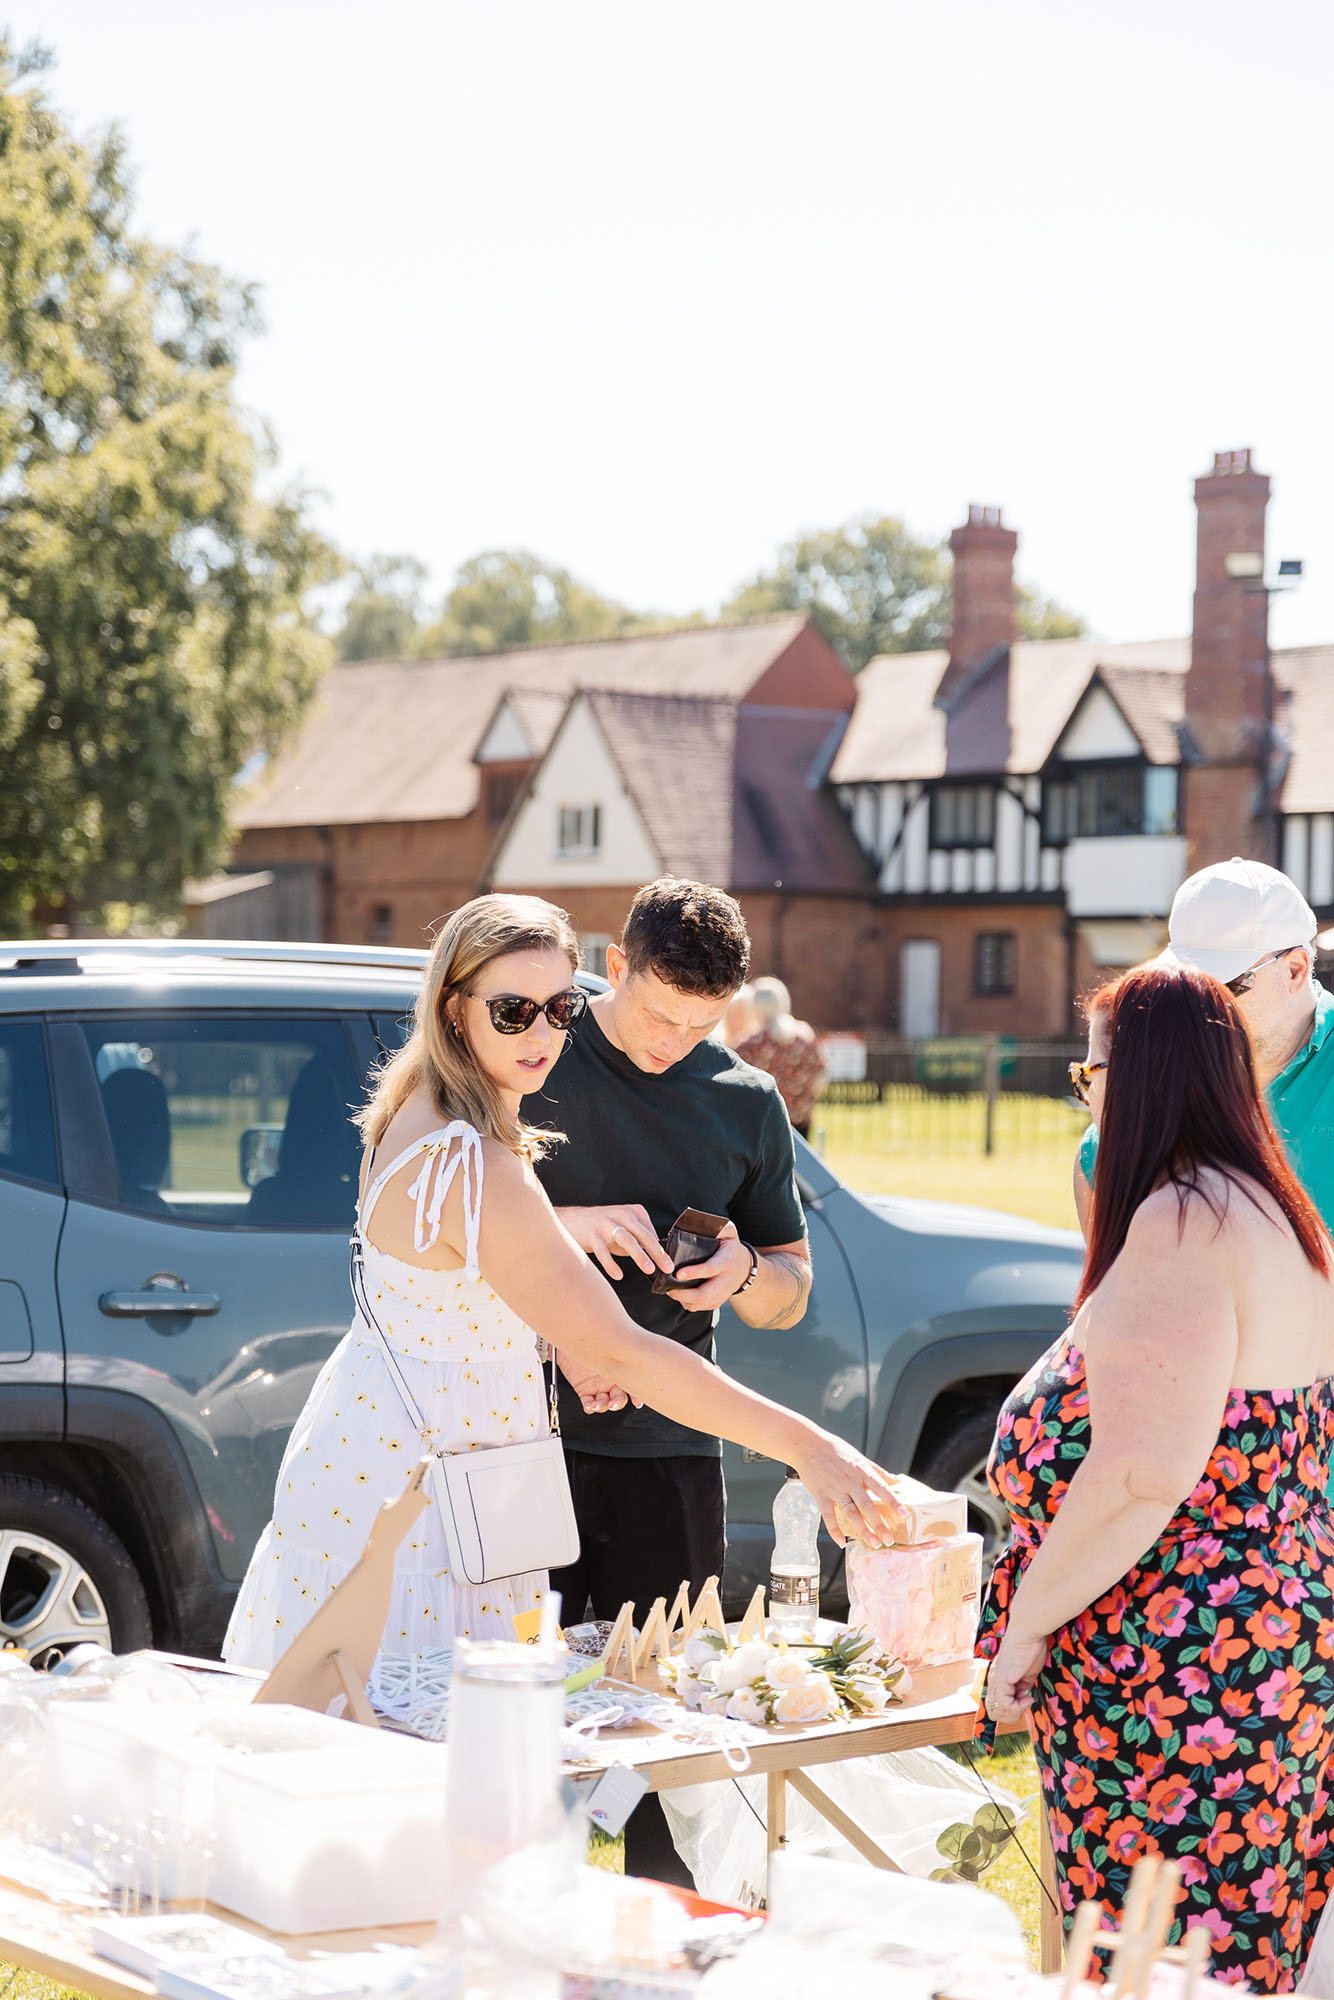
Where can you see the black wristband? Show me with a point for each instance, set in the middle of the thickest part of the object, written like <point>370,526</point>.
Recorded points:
<point>753,1272</point>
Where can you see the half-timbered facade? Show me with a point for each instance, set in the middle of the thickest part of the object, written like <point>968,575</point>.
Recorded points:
<point>1030,809</point>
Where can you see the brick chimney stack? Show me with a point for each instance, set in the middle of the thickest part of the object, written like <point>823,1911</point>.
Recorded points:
<point>1229,689</point>
<point>983,621</point>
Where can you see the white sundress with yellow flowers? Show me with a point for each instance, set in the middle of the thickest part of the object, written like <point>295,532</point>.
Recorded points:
<point>473,1370</point>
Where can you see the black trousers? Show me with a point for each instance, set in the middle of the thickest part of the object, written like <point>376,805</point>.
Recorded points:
<point>646,1525</point>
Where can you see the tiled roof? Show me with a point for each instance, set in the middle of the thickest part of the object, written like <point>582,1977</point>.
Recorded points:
<point>675,755</point>
<point>393,740</point>
<point>1153,702</point>
<point>1305,677</point>
<point>538,712</point>
<point>732,794</point>
<point>897,732</point>
<point>787,831</point>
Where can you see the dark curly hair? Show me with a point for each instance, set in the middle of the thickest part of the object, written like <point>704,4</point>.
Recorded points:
<point>691,934</point>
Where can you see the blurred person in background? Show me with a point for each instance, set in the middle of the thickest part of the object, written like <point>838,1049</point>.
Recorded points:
<point>740,1020</point>
<point>788,1049</point>
<point>1250,927</point>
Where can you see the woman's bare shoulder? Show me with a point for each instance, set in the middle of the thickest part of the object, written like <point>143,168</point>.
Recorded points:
<point>1213,1209</point>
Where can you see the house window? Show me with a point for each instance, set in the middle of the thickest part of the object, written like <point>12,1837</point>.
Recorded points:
<point>382,924</point>
<point>593,951</point>
<point>963,815</point>
<point>502,789</point>
<point>578,830</point>
<point>994,956</point>
<point>1095,800</point>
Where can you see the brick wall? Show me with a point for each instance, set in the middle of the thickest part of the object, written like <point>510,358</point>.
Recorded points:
<point>416,871</point>
<point>1039,1005</point>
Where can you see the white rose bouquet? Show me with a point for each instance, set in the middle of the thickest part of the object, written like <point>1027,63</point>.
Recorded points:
<point>756,1682</point>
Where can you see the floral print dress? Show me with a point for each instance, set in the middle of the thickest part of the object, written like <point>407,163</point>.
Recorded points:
<point>1188,1712</point>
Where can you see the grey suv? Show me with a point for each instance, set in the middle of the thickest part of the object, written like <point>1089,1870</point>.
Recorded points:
<point>177,1177</point>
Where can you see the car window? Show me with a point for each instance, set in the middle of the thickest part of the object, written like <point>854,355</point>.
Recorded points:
<point>27,1133</point>
<point>392,1030</point>
<point>230,1120</point>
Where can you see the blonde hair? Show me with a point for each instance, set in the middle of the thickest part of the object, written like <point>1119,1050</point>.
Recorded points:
<point>437,1057</point>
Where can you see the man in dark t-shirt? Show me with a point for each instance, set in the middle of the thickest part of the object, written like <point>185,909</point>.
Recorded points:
<point>658,1118</point>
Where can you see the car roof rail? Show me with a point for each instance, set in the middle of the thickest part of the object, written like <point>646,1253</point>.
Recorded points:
<point>71,955</point>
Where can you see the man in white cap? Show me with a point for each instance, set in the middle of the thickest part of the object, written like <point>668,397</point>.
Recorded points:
<point>1252,928</point>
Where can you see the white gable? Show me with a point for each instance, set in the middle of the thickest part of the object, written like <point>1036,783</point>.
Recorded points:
<point>1097,729</point>
<point>577,773</point>
<point>504,742</point>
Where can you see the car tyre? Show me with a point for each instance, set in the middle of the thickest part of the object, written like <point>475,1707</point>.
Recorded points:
<point>64,1576</point>
<point>957,1463</point>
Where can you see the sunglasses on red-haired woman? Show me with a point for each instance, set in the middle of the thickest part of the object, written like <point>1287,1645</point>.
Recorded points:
<point>1081,1076</point>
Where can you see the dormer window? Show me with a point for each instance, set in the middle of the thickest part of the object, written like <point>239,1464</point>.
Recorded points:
<point>578,831</point>
<point>1095,801</point>
<point>963,815</point>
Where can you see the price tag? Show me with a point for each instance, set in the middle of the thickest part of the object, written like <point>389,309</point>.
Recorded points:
<point>614,1797</point>
<point>527,1625</point>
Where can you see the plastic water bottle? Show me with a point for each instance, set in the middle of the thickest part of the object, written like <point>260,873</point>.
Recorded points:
<point>794,1574</point>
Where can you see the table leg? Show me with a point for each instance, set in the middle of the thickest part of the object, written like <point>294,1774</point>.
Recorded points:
<point>776,1815</point>
<point>1051,1930</point>
<point>841,1822</point>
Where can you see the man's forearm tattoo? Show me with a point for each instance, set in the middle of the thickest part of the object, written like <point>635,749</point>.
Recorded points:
<point>794,1275</point>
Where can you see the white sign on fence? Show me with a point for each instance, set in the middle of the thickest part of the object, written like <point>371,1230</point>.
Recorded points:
<point>845,1057</point>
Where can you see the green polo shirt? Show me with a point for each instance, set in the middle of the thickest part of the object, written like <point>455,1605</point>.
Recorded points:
<point>1301,1104</point>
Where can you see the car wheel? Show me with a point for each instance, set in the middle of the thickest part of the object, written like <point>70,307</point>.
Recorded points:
<point>64,1577</point>
<point>957,1463</point>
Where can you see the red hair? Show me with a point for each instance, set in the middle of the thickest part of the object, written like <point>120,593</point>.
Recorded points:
<point>1181,1097</point>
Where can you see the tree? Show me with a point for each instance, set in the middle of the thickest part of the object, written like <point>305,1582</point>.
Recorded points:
<point>870,586</point>
<point>507,597</point>
<point>383,616</point>
<point>155,624</point>
<point>1039,617</point>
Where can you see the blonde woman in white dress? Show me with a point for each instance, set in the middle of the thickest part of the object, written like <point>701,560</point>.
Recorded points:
<point>465,1265</point>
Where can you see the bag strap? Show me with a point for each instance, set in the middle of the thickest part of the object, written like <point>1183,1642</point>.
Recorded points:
<point>423,1429</point>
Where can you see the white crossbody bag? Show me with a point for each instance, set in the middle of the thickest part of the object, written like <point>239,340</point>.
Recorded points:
<point>505,1509</point>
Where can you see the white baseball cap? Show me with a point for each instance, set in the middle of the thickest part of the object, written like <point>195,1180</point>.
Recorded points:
<point>1227,918</point>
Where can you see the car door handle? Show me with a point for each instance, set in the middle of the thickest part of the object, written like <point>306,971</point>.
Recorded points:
<point>162,1295</point>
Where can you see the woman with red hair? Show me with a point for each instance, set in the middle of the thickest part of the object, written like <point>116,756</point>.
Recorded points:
<point>1164,1617</point>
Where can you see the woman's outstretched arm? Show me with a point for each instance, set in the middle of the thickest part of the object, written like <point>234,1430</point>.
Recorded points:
<point>543,1276</point>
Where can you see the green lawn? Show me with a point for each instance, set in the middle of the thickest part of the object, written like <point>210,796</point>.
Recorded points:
<point>915,1144</point>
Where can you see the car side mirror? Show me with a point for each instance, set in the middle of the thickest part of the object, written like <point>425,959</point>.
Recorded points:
<point>259,1153</point>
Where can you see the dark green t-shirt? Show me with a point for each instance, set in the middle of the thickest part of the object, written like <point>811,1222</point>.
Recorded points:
<point>709,1133</point>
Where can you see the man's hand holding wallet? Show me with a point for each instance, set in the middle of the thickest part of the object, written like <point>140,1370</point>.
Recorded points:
<point>710,1263</point>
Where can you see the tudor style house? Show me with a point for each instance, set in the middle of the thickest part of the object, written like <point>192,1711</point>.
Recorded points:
<point>632,786</point>
<point>577,772</point>
<point>1030,809</point>
<point>957,842</point>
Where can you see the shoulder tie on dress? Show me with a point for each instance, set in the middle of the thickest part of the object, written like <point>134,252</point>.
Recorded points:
<point>441,1161</point>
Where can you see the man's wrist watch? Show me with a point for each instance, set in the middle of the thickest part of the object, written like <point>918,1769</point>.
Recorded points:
<point>753,1272</point>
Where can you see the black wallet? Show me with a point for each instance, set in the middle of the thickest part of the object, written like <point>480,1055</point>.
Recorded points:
<point>692,1239</point>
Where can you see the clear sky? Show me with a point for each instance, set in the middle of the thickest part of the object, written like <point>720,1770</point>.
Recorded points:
<point>649,289</point>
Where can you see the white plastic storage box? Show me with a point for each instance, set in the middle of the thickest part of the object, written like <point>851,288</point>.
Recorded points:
<point>297,1821</point>
<point>125,1786</point>
<point>334,1838</point>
